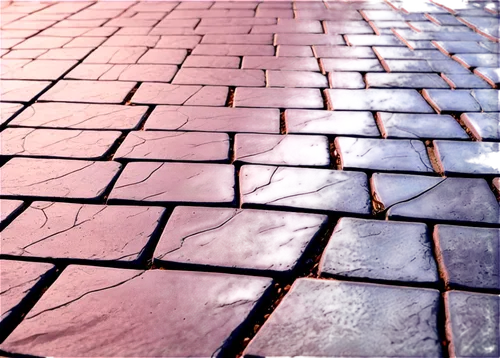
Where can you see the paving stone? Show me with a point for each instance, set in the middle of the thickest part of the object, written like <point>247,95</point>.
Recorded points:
<point>490,75</point>
<point>472,324</point>
<point>211,61</point>
<point>188,23</point>
<point>234,50</point>
<point>469,257</point>
<point>359,65</point>
<point>116,55</point>
<point>43,42</point>
<point>487,26</point>
<point>278,97</point>
<point>436,199</point>
<point>488,99</point>
<point>374,249</point>
<point>451,101</point>
<point>9,209</point>
<point>282,149</point>
<point>280,63</point>
<point>56,178</point>
<point>405,80</point>
<point>130,296</point>
<point>180,42</point>
<point>347,80</point>
<point>407,66</point>
<point>329,122</point>
<point>281,13</point>
<point>308,39</point>
<point>57,143</point>
<point>90,42</point>
<point>217,13</point>
<point>88,91</point>
<point>343,52</point>
<point>132,41</point>
<point>438,35</point>
<point>407,125</point>
<point>86,232</point>
<point>175,182</point>
<point>246,239</point>
<point>483,126</point>
<point>238,39</point>
<point>383,15</point>
<point>291,26</point>
<point>316,189</point>
<point>80,116</point>
<point>321,14</point>
<point>19,280</point>
<point>139,72</point>
<point>231,21</point>
<point>7,110</point>
<point>294,51</point>
<point>348,27</point>
<point>209,96</point>
<point>180,146</point>
<point>478,60</point>
<point>382,154</point>
<point>217,77</point>
<point>22,54</point>
<point>34,70</point>
<point>402,53</point>
<point>467,157</point>
<point>214,119</point>
<point>388,100</point>
<point>296,79</point>
<point>447,67</point>
<point>373,40</point>
<point>457,81</point>
<point>313,318</point>
<point>65,54</point>
<point>163,93</point>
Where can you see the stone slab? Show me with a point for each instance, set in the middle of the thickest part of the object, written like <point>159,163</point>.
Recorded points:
<point>278,97</point>
<point>88,91</point>
<point>483,126</point>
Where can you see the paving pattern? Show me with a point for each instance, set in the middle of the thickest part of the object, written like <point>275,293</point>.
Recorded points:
<point>216,178</point>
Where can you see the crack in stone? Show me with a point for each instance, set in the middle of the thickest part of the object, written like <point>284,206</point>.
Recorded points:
<point>262,186</point>
<point>309,192</point>
<point>143,180</point>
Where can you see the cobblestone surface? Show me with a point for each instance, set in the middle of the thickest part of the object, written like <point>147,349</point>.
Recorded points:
<point>250,178</point>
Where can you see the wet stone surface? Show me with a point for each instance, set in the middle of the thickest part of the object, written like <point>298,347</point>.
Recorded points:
<point>367,311</point>
<point>83,295</point>
<point>380,250</point>
<point>267,241</point>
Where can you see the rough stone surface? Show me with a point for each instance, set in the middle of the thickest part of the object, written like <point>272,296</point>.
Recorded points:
<point>382,154</point>
<point>278,97</point>
<point>468,157</point>
<point>472,322</point>
<point>175,182</point>
<point>483,126</point>
<point>180,146</point>
<point>88,91</point>
<point>380,250</point>
<point>469,256</point>
<point>19,279</point>
<point>282,150</point>
<point>57,178</point>
<point>319,189</point>
<point>381,320</point>
<point>246,239</point>
<point>75,231</point>
<point>84,295</point>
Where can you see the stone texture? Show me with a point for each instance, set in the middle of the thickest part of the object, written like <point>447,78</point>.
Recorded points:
<point>406,125</point>
<point>278,97</point>
<point>359,65</point>
<point>319,189</point>
<point>175,182</point>
<point>218,77</point>
<point>9,209</point>
<point>282,149</point>
<point>164,93</point>
<point>139,72</point>
<point>211,61</point>
<point>247,239</point>
<point>458,81</point>
<point>483,126</point>
<point>478,60</point>
<point>214,119</point>
<point>405,80</point>
<point>329,122</point>
<point>57,143</point>
<point>234,50</point>
<point>312,320</point>
<point>84,295</point>
<point>472,322</point>
<point>488,99</point>
<point>382,154</point>
<point>468,157</point>
<point>280,63</point>
<point>380,250</point>
<point>490,75</point>
<point>7,111</point>
<point>388,100</point>
<point>343,52</point>
<point>179,146</point>
<point>469,257</point>
<point>21,91</point>
<point>309,39</point>
<point>88,91</point>
<point>86,232</point>
<point>451,101</point>
<point>54,178</point>
<point>20,280</point>
<point>34,70</point>
<point>436,199</point>
<point>80,116</point>
<point>296,79</point>
<point>347,80</point>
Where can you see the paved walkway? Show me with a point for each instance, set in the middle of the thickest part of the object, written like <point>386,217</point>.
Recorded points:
<point>239,178</point>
